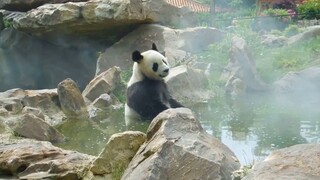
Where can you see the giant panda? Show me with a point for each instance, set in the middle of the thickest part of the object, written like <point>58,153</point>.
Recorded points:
<point>147,94</point>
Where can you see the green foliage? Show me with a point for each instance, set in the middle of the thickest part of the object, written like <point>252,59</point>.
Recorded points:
<point>225,19</point>
<point>275,12</point>
<point>203,19</point>
<point>279,14</point>
<point>276,32</point>
<point>291,30</point>
<point>124,77</point>
<point>271,63</point>
<point>117,172</point>
<point>7,23</point>
<point>309,9</point>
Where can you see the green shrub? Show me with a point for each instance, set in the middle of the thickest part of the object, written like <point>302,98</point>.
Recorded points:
<point>275,19</point>
<point>276,32</point>
<point>309,9</point>
<point>7,23</point>
<point>291,30</point>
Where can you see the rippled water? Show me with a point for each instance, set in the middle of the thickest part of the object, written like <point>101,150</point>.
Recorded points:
<point>252,127</point>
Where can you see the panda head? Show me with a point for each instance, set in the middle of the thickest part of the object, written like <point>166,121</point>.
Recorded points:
<point>152,64</point>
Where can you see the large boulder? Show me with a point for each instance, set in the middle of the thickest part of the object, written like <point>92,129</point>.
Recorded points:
<point>71,100</point>
<point>295,162</point>
<point>41,160</point>
<point>177,44</point>
<point>305,81</point>
<point>188,85</point>
<point>309,33</point>
<point>28,62</point>
<point>25,5</point>
<point>106,82</point>
<point>102,19</point>
<point>118,153</point>
<point>44,104</point>
<point>242,67</point>
<point>30,126</point>
<point>177,147</point>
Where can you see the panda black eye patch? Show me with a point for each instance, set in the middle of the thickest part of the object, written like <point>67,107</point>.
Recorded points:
<point>155,67</point>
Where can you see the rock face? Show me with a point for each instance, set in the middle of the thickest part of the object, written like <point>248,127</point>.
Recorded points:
<point>310,33</point>
<point>100,18</point>
<point>295,162</point>
<point>306,81</point>
<point>30,126</point>
<point>28,62</point>
<point>14,5</point>
<point>177,44</point>
<point>106,82</point>
<point>71,100</point>
<point>43,103</point>
<point>118,152</point>
<point>242,67</point>
<point>41,160</point>
<point>188,85</point>
<point>274,41</point>
<point>177,147</point>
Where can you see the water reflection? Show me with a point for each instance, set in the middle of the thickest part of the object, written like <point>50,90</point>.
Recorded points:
<point>90,136</point>
<point>254,126</point>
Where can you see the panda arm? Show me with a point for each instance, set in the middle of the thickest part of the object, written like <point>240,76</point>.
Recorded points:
<point>174,103</point>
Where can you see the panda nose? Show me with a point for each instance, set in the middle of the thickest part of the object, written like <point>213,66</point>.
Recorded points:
<point>166,71</point>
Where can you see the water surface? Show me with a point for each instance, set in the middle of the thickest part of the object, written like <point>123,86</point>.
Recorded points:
<point>252,126</point>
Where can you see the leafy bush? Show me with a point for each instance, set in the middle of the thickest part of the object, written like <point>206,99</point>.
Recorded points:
<point>7,23</point>
<point>309,9</point>
<point>271,62</point>
<point>272,19</point>
<point>291,30</point>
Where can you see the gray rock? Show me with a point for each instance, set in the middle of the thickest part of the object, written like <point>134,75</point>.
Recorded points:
<point>273,40</point>
<point>300,162</point>
<point>29,62</point>
<point>118,152</point>
<point>177,44</point>
<point>242,66</point>
<point>30,126</point>
<point>17,101</point>
<point>106,82</point>
<point>305,81</point>
<point>107,103</point>
<point>6,134</point>
<point>41,160</point>
<point>25,5</point>
<point>188,85</point>
<point>100,18</point>
<point>177,147</point>
<point>71,100</point>
<point>309,33</point>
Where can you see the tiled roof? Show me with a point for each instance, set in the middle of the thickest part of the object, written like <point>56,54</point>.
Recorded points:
<point>194,6</point>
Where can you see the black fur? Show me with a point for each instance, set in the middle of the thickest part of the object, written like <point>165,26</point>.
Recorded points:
<point>154,47</point>
<point>149,97</point>
<point>136,56</point>
<point>155,67</point>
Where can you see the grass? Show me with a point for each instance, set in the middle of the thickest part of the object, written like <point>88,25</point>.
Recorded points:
<point>271,62</point>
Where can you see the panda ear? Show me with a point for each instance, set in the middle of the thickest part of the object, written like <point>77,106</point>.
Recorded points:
<point>154,47</point>
<point>136,56</point>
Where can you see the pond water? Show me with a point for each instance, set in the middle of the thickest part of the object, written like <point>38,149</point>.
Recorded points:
<point>252,127</point>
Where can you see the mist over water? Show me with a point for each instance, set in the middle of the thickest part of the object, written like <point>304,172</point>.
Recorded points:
<point>260,123</point>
